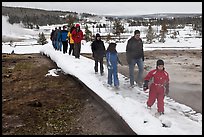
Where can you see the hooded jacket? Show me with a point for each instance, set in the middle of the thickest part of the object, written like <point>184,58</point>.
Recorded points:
<point>77,34</point>
<point>98,48</point>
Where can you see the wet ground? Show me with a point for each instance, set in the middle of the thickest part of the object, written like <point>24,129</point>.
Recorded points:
<point>33,104</point>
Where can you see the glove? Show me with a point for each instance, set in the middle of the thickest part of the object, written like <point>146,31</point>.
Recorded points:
<point>145,85</point>
<point>110,67</point>
<point>145,88</point>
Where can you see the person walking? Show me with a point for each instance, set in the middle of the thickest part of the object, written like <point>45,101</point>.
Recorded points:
<point>64,34</point>
<point>159,86</point>
<point>51,37</point>
<point>55,39</point>
<point>112,65</point>
<point>135,55</point>
<point>59,39</point>
<point>98,50</point>
<point>71,41</point>
<point>77,36</point>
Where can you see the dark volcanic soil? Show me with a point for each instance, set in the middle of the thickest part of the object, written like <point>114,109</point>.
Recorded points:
<point>33,104</point>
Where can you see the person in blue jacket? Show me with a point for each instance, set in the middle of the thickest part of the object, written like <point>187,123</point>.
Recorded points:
<point>64,33</point>
<point>112,64</point>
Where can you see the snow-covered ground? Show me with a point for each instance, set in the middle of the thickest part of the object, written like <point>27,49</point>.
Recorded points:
<point>130,104</point>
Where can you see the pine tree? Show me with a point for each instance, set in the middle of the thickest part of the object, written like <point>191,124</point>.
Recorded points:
<point>162,35</point>
<point>163,32</point>
<point>70,20</point>
<point>118,28</point>
<point>150,34</point>
<point>88,34</point>
<point>42,40</point>
<point>108,37</point>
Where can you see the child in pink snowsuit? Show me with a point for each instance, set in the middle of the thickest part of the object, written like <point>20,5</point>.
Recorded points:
<point>159,86</point>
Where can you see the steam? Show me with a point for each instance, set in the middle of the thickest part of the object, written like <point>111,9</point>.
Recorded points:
<point>15,31</point>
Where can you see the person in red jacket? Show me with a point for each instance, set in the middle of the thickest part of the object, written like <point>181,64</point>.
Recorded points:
<point>159,86</point>
<point>77,36</point>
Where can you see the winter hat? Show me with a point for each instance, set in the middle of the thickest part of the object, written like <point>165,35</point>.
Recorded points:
<point>98,35</point>
<point>64,27</point>
<point>160,62</point>
<point>112,44</point>
<point>77,25</point>
<point>112,47</point>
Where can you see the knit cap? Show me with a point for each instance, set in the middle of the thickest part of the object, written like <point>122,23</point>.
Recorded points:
<point>160,62</point>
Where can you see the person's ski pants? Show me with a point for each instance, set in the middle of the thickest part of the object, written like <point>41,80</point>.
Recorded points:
<point>156,92</point>
<point>77,50</point>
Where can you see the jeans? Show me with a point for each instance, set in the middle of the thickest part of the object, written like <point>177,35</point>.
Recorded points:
<point>55,44</point>
<point>140,65</point>
<point>113,75</point>
<point>59,45</point>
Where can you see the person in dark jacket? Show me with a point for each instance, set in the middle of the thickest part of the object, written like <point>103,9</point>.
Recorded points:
<point>51,37</point>
<point>64,33</point>
<point>55,38</point>
<point>98,50</point>
<point>135,55</point>
<point>59,39</point>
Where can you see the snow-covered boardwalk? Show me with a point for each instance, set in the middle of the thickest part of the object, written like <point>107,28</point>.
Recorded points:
<point>130,104</point>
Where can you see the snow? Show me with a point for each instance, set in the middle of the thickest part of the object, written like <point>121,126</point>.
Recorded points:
<point>52,72</point>
<point>129,103</point>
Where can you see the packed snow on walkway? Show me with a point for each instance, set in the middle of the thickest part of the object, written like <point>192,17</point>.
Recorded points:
<point>129,103</point>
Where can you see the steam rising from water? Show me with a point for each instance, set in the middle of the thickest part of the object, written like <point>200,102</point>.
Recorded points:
<point>15,32</point>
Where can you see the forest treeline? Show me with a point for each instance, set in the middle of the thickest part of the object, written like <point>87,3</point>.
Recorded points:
<point>29,16</point>
<point>35,17</point>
